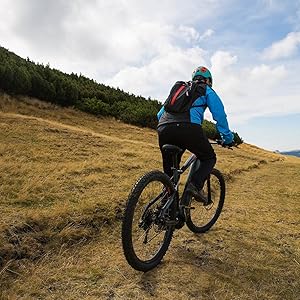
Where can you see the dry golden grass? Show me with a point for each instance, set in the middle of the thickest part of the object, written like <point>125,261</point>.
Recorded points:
<point>64,179</point>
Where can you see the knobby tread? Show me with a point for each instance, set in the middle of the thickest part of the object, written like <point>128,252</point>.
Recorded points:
<point>132,200</point>
<point>201,229</point>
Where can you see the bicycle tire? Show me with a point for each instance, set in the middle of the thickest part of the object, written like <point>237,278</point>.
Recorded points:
<point>191,223</point>
<point>129,250</point>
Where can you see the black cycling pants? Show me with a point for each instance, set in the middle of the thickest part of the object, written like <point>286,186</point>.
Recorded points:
<point>191,137</point>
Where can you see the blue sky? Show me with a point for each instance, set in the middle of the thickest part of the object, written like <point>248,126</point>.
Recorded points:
<point>282,131</point>
<point>143,47</point>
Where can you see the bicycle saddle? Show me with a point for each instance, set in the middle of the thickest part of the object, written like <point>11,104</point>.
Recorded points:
<point>171,148</point>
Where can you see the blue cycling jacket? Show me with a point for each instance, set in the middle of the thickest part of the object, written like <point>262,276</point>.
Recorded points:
<point>196,113</point>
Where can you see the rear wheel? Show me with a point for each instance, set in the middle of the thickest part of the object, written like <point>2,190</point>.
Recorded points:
<point>145,236</point>
<point>200,217</point>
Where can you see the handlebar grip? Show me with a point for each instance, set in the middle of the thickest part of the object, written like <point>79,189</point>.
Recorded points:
<point>222,143</point>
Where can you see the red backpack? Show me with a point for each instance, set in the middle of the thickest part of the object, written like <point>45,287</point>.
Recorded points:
<point>183,95</point>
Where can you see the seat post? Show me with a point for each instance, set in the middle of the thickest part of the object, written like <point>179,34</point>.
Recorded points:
<point>175,167</point>
<point>175,160</point>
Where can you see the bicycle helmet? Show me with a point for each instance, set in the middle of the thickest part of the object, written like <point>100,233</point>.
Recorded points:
<point>202,72</point>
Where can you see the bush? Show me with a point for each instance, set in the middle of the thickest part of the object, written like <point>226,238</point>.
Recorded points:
<point>20,76</point>
<point>93,106</point>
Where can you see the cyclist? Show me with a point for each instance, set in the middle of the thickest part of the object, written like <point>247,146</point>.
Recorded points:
<point>185,131</point>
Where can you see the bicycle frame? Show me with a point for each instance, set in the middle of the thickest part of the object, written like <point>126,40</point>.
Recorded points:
<point>163,208</point>
<point>193,163</point>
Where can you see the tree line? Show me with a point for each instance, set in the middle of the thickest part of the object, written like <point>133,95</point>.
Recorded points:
<point>20,76</point>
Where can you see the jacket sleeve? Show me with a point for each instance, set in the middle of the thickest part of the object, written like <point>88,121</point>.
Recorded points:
<point>159,114</point>
<point>216,108</point>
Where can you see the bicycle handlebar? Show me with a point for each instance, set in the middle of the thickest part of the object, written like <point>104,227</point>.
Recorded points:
<point>193,157</point>
<point>222,143</point>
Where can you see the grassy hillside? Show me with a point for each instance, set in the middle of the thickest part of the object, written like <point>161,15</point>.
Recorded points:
<point>64,179</point>
<point>20,76</point>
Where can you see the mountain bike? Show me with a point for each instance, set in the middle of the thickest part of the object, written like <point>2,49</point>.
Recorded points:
<point>154,209</point>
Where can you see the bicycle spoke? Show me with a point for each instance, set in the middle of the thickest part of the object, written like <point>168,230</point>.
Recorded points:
<point>203,216</point>
<point>149,241</point>
<point>152,237</point>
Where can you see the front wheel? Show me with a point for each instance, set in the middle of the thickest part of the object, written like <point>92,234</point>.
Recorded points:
<point>145,234</point>
<point>201,217</point>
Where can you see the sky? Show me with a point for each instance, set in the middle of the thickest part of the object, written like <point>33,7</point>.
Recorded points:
<point>252,48</point>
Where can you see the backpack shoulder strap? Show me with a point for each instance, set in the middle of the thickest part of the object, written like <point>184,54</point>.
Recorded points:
<point>195,85</point>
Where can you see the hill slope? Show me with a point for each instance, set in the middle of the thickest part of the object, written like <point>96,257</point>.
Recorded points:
<point>20,76</point>
<point>64,179</point>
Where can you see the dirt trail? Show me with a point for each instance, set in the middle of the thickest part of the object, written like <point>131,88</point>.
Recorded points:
<point>66,164</point>
<point>253,252</point>
<point>77,128</point>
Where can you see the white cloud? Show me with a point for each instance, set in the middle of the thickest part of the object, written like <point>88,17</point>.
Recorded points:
<point>206,34</point>
<point>143,47</point>
<point>254,91</point>
<point>283,48</point>
<point>267,75</point>
<point>246,92</point>
<point>224,75</point>
<point>100,38</point>
<point>191,35</point>
<point>156,77</point>
<point>222,62</point>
